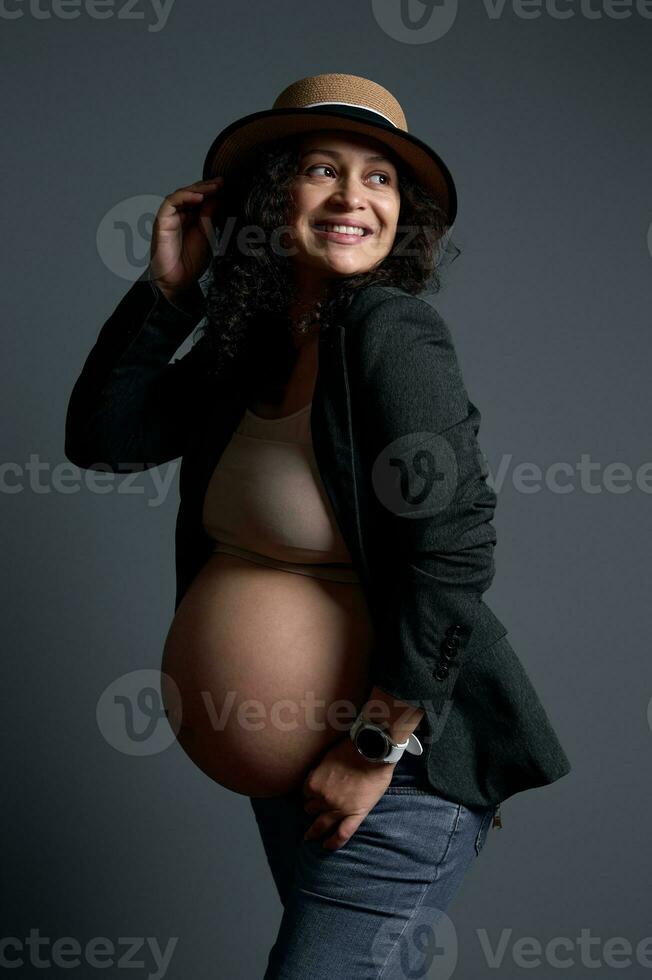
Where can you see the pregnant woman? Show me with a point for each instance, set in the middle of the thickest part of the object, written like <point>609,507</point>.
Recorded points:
<point>330,655</point>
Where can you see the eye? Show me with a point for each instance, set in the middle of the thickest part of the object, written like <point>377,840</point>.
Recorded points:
<point>379,173</point>
<point>320,166</point>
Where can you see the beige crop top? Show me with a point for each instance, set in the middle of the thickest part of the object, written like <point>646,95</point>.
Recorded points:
<point>266,501</point>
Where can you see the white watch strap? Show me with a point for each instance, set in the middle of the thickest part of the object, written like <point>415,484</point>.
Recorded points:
<point>411,745</point>
<point>397,751</point>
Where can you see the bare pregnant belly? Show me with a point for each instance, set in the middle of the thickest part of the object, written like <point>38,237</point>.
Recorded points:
<point>271,668</point>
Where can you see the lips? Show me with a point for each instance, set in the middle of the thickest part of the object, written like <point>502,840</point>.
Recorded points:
<point>350,224</point>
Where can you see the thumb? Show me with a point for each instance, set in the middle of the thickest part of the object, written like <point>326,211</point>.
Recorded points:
<point>345,831</point>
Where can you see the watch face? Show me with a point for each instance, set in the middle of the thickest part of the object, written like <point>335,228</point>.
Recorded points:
<point>371,743</point>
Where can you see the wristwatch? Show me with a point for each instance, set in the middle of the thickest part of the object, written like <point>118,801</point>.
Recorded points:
<point>374,743</point>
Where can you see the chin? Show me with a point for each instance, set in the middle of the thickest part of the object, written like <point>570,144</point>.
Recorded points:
<point>358,271</point>
<point>347,268</point>
<point>338,269</point>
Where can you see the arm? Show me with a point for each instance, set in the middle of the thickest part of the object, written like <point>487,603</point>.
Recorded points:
<point>130,406</point>
<point>431,503</point>
<point>398,717</point>
<point>430,508</point>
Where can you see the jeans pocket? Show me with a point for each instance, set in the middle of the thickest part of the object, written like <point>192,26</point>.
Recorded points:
<point>483,830</point>
<point>413,790</point>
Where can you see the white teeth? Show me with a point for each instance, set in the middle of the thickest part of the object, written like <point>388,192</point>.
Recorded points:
<point>343,229</point>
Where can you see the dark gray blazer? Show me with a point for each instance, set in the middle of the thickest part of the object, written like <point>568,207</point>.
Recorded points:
<point>395,439</point>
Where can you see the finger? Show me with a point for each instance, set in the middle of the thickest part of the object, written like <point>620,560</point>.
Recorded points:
<point>345,831</point>
<point>173,205</point>
<point>193,194</point>
<point>210,205</point>
<point>218,179</point>
<point>204,186</point>
<point>320,826</point>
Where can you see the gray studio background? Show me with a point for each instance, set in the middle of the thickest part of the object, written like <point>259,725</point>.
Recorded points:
<point>544,121</point>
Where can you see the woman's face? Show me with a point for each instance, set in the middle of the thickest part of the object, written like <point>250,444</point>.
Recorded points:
<point>343,179</point>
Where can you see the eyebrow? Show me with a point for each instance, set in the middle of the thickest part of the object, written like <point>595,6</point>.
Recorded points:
<point>336,153</point>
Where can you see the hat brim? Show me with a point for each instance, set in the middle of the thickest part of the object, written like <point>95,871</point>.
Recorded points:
<point>245,134</point>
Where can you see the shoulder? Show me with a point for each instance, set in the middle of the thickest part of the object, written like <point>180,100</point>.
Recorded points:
<point>372,300</point>
<point>398,342</point>
<point>394,319</point>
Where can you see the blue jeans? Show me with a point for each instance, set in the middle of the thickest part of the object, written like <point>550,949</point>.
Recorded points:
<point>367,910</point>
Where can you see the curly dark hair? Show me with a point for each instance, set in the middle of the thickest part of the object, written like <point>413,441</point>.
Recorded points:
<point>250,282</point>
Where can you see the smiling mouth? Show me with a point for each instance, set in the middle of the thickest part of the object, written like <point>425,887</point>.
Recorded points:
<point>340,232</point>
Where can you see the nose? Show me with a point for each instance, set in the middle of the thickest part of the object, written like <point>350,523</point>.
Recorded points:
<point>348,194</point>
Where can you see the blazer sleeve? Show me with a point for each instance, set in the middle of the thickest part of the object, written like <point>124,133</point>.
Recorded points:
<point>426,479</point>
<point>130,407</point>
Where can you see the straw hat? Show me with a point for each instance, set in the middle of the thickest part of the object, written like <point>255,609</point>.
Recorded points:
<point>334,101</point>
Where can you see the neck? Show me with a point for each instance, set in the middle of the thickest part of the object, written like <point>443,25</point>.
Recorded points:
<point>309,291</point>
